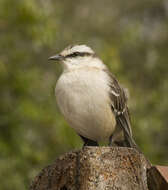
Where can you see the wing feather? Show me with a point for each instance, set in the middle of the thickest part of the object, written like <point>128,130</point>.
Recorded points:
<point>119,107</point>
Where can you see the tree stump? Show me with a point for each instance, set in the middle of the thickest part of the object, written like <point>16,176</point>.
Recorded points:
<point>95,168</point>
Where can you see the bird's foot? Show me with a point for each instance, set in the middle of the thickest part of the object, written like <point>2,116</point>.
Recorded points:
<point>88,142</point>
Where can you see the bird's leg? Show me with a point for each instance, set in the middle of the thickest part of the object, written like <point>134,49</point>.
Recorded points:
<point>88,142</point>
<point>110,140</point>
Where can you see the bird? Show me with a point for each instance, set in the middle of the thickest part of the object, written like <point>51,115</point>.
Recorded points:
<point>91,99</point>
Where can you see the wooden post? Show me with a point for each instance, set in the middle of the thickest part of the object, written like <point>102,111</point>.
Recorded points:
<point>158,178</point>
<point>95,168</point>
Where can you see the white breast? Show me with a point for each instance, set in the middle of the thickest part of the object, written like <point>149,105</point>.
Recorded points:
<point>82,96</point>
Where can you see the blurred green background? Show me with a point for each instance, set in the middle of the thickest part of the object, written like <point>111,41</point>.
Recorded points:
<point>132,39</point>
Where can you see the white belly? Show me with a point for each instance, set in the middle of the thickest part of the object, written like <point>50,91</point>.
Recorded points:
<point>84,101</point>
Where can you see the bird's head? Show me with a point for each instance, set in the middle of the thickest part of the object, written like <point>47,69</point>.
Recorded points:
<point>75,56</point>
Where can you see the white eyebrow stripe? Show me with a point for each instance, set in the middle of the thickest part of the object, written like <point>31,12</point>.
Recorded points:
<point>77,48</point>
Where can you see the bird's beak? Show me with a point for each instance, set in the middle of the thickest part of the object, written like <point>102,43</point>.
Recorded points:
<point>57,57</point>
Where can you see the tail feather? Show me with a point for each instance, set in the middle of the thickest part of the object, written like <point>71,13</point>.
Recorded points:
<point>124,124</point>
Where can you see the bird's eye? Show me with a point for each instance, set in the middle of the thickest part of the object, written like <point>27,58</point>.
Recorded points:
<point>82,54</point>
<point>73,54</point>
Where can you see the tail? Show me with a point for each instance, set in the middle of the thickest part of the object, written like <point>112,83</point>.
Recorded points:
<point>123,121</point>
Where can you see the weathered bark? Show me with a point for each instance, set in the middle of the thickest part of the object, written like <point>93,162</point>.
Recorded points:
<point>95,168</point>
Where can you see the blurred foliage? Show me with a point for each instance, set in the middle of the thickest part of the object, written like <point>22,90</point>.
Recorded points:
<point>132,39</point>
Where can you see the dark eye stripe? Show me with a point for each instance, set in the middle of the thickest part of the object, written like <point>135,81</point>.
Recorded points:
<point>82,54</point>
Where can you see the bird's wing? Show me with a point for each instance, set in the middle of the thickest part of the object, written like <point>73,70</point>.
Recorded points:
<point>119,107</point>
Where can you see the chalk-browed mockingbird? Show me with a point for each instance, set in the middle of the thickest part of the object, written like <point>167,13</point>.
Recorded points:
<point>91,99</point>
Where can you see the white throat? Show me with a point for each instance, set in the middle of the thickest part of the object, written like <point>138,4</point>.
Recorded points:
<point>80,62</point>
